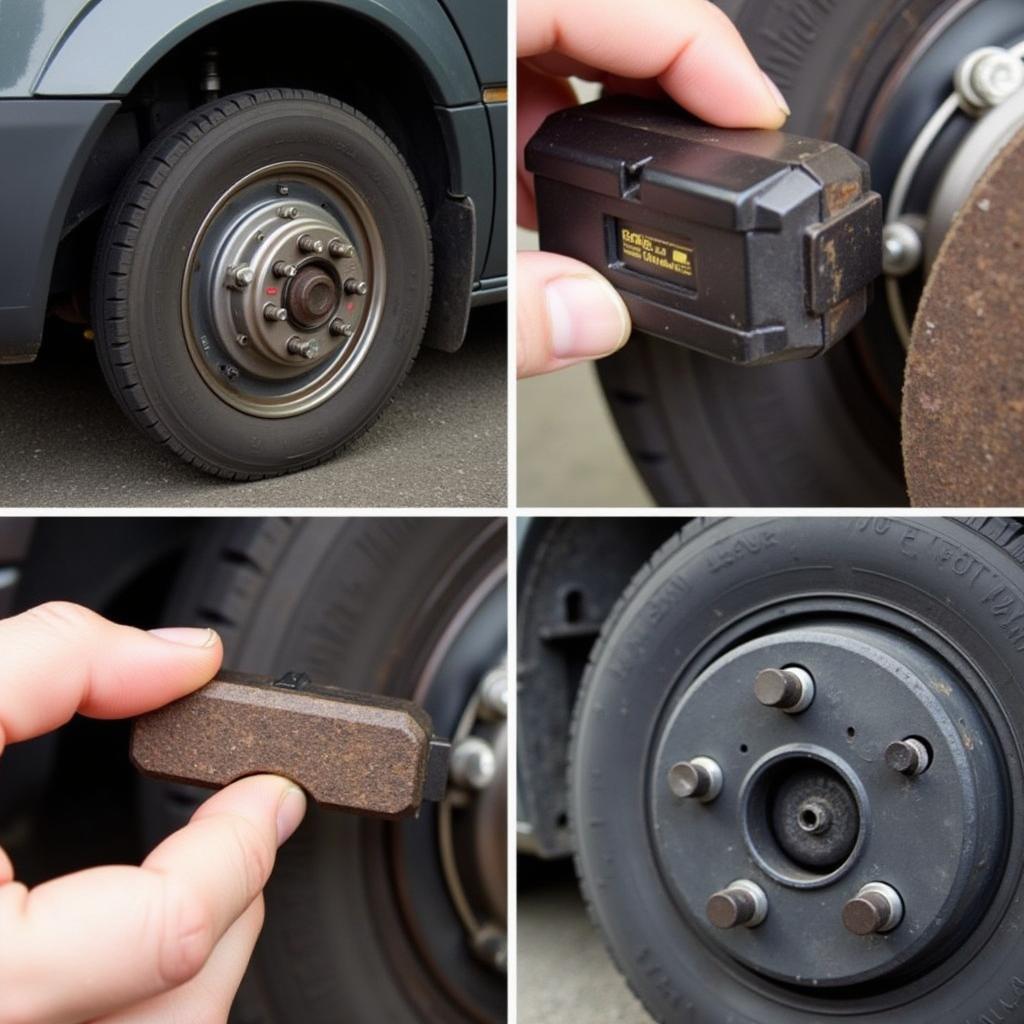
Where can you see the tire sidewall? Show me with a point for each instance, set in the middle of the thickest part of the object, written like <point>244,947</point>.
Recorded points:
<point>939,572</point>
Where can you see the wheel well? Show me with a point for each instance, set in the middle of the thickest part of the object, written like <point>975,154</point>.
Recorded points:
<point>297,45</point>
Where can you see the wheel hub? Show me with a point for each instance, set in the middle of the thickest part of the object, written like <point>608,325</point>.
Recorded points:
<point>813,814</point>
<point>283,290</point>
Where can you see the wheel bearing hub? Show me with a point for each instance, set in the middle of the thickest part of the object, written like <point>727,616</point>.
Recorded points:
<point>811,813</point>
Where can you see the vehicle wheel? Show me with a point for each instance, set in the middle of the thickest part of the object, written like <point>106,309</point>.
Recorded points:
<point>262,282</point>
<point>822,432</point>
<point>906,629</point>
<point>369,920</point>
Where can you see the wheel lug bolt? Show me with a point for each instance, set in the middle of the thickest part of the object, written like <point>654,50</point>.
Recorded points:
<point>299,347</point>
<point>241,277</point>
<point>354,287</point>
<point>339,327</point>
<point>288,212</point>
<point>282,269</point>
<point>876,908</point>
<point>339,249</point>
<point>272,312</point>
<point>308,244</point>
<point>908,757</point>
<point>743,903</point>
<point>472,764</point>
<point>788,689</point>
<point>700,778</point>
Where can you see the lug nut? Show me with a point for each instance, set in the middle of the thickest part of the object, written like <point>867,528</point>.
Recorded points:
<point>283,269</point>
<point>876,908</point>
<point>743,903</point>
<point>339,249</point>
<point>339,327</point>
<point>299,347</point>
<point>354,287</point>
<point>309,244</point>
<point>472,764</point>
<point>700,778</point>
<point>494,693</point>
<point>788,689</point>
<point>272,312</point>
<point>288,212</point>
<point>908,757</point>
<point>241,277</point>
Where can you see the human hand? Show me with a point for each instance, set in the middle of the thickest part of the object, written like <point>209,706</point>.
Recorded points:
<point>566,311</point>
<point>167,941</point>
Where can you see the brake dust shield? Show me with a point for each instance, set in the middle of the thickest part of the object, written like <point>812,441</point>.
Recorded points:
<point>963,392</point>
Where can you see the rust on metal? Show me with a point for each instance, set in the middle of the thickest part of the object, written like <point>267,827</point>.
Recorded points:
<point>356,751</point>
<point>963,394</point>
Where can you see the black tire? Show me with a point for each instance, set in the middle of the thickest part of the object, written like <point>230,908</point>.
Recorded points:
<point>144,250</point>
<point>697,596</point>
<point>812,433</point>
<point>350,934</point>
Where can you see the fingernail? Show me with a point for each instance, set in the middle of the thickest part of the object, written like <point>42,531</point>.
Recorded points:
<point>186,636</point>
<point>290,812</point>
<point>587,316</point>
<point>776,94</point>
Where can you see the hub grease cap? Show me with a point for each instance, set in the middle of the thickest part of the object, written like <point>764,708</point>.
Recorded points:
<point>810,811</point>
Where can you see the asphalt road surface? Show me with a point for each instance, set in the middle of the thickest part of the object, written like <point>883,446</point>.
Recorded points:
<point>565,973</point>
<point>442,442</point>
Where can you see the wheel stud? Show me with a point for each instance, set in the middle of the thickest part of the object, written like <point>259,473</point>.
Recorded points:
<point>339,327</point>
<point>240,277</point>
<point>908,757</point>
<point>274,313</point>
<point>288,212</point>
<point>876,908</point>
<point>282,269</point>
<point>472,764</point>
<point>700,778</point>
<point>339,249</point>
<point>788,689</point>
<point>743,903</point>
<point>354,287</point>
<point>309,244</point>
<point>299,347</point>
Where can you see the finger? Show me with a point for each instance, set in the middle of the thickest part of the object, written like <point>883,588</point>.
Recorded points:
<point>690,46</point>
<point>61,658</point>
<point>99,940</point>
<point>6,868</point>
<point>207,998</point>
<point>566,312</point>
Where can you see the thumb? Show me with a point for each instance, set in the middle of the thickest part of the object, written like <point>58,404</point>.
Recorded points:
<point>565,312</point>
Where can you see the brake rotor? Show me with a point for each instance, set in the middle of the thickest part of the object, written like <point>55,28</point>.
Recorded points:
<point>963,394</point>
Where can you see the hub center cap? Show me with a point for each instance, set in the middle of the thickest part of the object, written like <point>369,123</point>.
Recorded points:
<point>811,809</point>
<point>312,297</point>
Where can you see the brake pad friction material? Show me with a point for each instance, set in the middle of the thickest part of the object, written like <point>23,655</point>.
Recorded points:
<point>355,751</point>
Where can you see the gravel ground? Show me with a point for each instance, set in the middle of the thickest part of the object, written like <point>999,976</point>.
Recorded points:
<point>565,974</point>
<point>442,441</point>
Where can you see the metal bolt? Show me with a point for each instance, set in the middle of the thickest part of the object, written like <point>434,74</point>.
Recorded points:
<point>742,903</point>
<point>901,248</point>
<point>472,763</point>
<point>288,212</point>
<point>242,339</point>
<point>814,817</point>
<point>987,77</point>
<point>876,908</point>
<point>282,269</point>
<point>339,327</point>
<point>339,249</point>
<point>272,312</point>
<point>307,243</point>
<point>700,778</point>
<point>491,946</point>
<point>241,277</point>
<point>354,287</point>
<point>300,347</point>
<point>494,693</point>
<point>908,757</point>
<point>788,689</point>
<point>282,190</point>
<point>229,371</point>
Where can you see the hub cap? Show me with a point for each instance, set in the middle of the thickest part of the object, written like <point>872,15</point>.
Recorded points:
<point>283,290</point>
<point>812,813</point>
